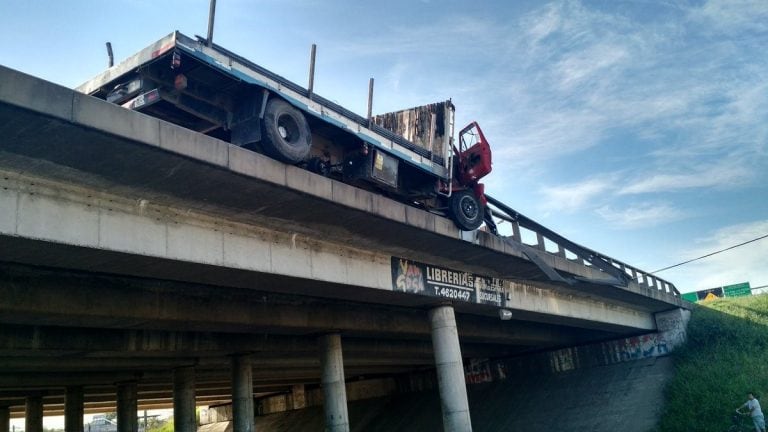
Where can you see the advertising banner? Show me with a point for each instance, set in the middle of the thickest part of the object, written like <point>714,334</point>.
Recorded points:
<point>426,279</point>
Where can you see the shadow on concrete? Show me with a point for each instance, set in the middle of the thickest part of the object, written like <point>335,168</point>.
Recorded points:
<point>622,396</point>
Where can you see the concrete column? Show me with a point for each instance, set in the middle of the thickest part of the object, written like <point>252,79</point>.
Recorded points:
<point>242,394</point>
<point>33,415</point>
<point>332,381</point>
<point>184,399</point>
<point>5,419</point>
<point>127,407</point>
<point>450,370</point>
<point>298,397</point>
<point>73,409</point>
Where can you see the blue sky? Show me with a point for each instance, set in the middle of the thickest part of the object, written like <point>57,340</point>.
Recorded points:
<point>636,128</point>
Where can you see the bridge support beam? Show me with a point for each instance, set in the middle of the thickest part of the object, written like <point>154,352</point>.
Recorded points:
<point>73,409</point>
<point>127,407</point>
<point>242,394</point>
<point>5,419</point>
<point>332,380</point>
<point>450,370</point>
<point>33,414</point>
<point>184,399</point>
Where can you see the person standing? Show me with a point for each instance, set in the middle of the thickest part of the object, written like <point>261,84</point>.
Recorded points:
<point>753,405</point>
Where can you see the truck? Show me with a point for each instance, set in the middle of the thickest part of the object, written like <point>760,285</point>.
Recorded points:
<point>410,156</point>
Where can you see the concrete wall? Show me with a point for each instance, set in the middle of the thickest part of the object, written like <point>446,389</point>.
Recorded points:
<point>621,397</point>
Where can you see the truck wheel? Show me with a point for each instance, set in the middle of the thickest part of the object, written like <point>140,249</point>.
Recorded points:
<point>465,210</point>
<point>286,132</point>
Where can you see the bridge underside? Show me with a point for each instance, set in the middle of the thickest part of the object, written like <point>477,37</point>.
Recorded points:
<point>63,328</point>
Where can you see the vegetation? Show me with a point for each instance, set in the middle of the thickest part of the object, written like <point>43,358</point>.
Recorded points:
<point>163,426</point>
<point>723,359</point>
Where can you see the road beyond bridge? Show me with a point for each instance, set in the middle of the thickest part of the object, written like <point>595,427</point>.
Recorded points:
<point>144,265</point>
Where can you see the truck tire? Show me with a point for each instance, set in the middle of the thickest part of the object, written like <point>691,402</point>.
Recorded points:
<point>286,134</point>
<point>465,210</point>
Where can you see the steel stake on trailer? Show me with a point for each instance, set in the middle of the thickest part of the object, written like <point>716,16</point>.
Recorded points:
<point>211,15</point>
<point>370,101</point>
<point>109,53</point>
<point>311,84</point>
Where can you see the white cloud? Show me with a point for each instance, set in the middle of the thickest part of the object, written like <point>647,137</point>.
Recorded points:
<point>742,264</point>
<point>542,24</point>
<point>721,177</point>
<point>644,215</point>
<point>395,75</point>
<point>432,38</point>
<point>580,66</point>
<point>546,135</point>
<point>572,197</point>
<point>561,79</point>
<point>733,15</point>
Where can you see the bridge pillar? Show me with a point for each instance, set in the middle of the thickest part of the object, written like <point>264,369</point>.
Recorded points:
<point>5,419</point>
<point>33,414</point>
<point>332,381</point>
<point>73,409</point>
<point>184,399</point>
<point>450,370</point>
<point>242,394</point>
<point>127,407</point>
<point>298,397</point>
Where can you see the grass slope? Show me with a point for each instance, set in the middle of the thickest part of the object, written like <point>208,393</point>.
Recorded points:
<point>726,355</point>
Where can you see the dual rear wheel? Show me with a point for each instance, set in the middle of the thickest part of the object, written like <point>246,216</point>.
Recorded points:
<point>285,134</point>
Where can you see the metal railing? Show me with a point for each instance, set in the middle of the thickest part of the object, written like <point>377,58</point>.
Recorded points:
<point>620,273</point>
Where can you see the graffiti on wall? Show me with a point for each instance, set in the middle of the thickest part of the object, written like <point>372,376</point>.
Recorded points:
<point>671,333</point>
<point>637,348</point>
<point>478,371</point>
<point>482,371</point>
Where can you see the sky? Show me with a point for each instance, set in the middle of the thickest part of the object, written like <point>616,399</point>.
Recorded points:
<point>636,128</point>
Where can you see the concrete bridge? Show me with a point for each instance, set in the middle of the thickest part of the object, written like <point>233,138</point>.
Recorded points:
<point>143,265</point>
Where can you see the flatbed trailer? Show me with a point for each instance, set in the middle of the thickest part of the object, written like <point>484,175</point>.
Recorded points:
<point>217,92</point>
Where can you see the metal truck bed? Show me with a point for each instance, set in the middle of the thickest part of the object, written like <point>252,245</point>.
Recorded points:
<point>241,69</point>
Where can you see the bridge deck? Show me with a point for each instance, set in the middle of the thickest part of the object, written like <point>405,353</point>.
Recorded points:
<point>55,133</point>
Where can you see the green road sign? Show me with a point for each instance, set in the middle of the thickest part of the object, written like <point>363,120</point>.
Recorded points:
<point>691,297</point>
<point>737,290</point>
